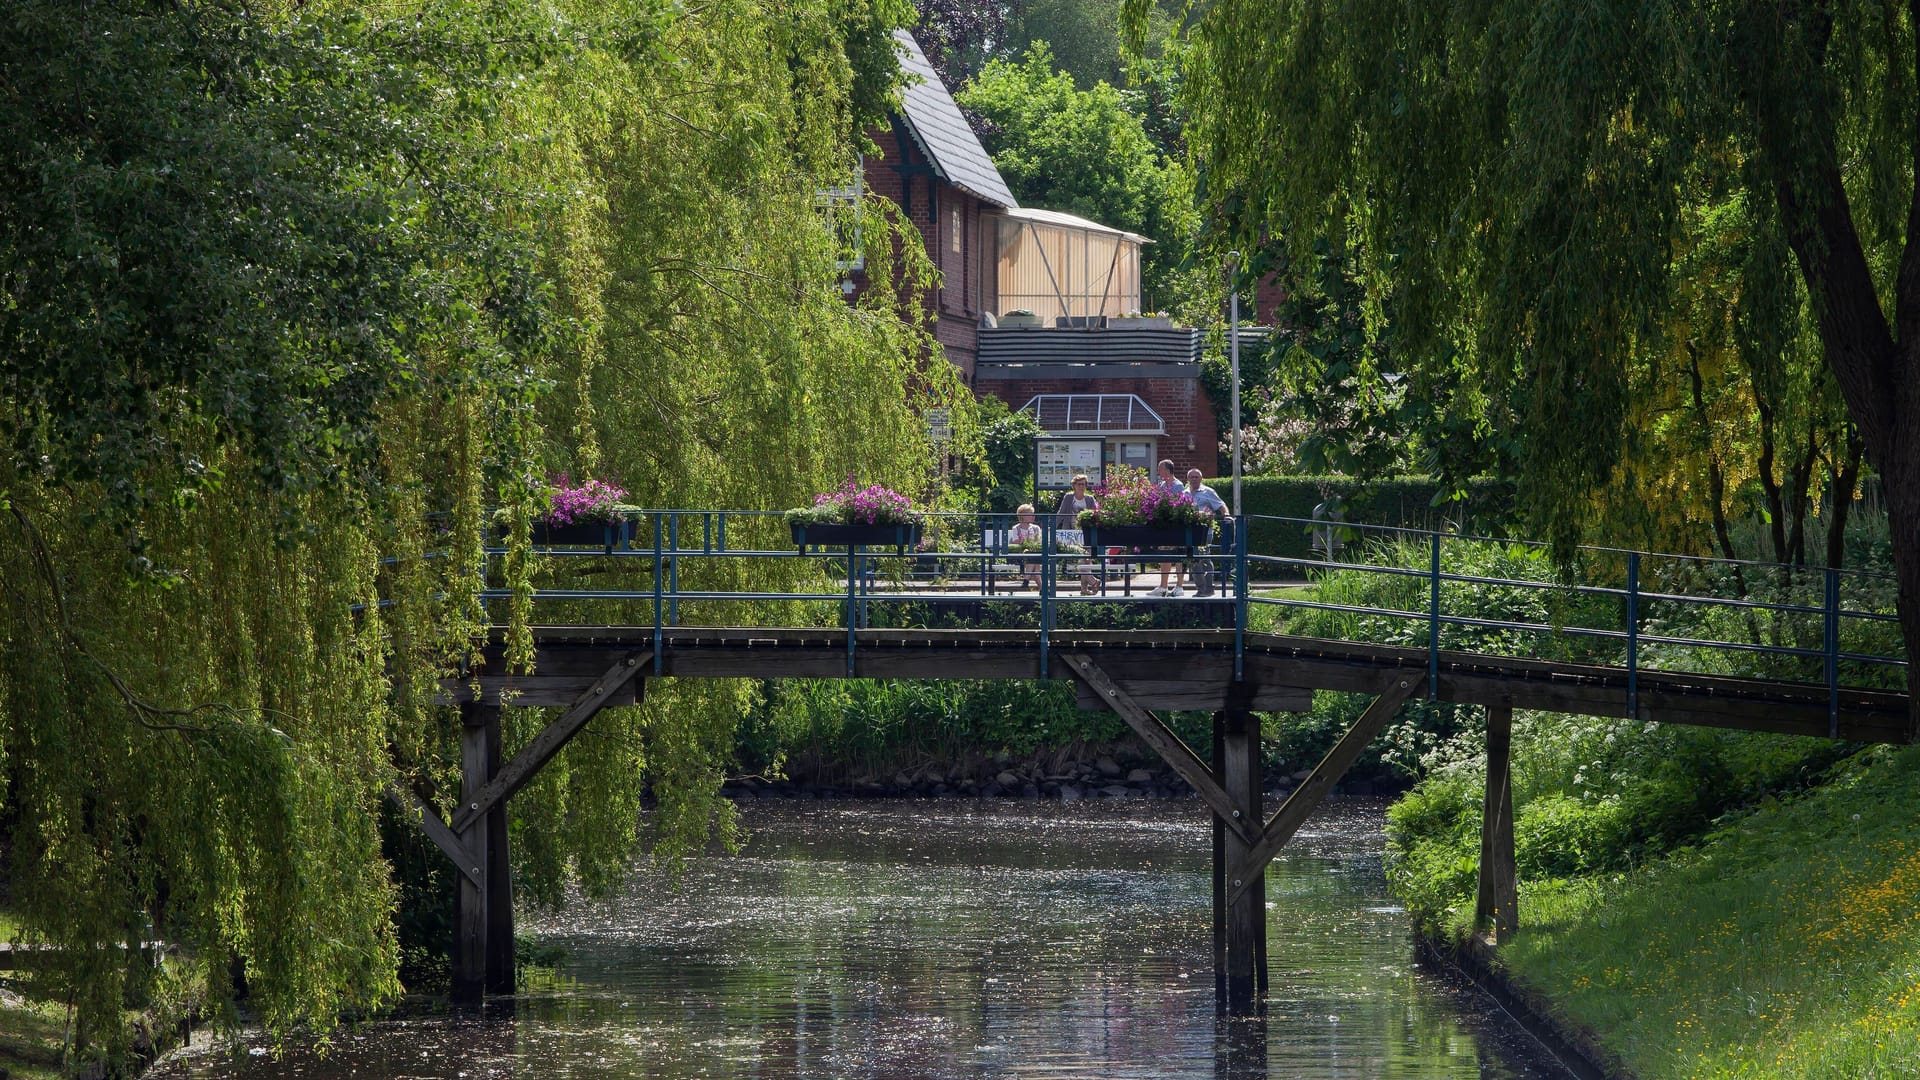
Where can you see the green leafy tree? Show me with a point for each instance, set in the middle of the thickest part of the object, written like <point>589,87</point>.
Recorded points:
<point>1518,175</point>
<point>1084,152</point>
<point>292,299</point>
<point>1082,36</point>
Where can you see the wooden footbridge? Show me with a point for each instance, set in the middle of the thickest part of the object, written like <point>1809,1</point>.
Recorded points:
<point>1830,636</point>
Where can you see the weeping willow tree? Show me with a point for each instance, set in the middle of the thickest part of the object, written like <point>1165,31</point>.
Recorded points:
<point>1521,178</point>
<point>720,365</point>
<point>297,304</point>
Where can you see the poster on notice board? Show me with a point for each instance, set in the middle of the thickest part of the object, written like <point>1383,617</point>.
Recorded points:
<point>1058,460</point>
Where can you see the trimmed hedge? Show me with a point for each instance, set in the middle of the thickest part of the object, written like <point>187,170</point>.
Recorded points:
<point>1405,501</point>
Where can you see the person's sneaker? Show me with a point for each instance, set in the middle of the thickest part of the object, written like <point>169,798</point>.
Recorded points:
<point>1175,591</point>
<point>1161,591</point>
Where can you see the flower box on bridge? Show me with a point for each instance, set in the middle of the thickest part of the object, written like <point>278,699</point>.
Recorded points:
<point>1147,537</point>
<point>898,537</point>
<point>605,535</point>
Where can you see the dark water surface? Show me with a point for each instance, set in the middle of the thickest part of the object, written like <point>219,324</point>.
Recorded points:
<point>958,939</point>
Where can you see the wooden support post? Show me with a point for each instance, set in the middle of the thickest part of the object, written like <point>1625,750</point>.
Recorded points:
<point>1164,742</point>
<point>1293,813</point>
<point>470,905</point>
<point>1497,905</point>
<point>501,977</point>
<point>1219,878</point>
<point>1257,889</point>
<point>1246,922</point>
<point>534,756</point>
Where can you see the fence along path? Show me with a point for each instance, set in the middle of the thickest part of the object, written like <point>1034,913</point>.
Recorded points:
<point>1391,612</point>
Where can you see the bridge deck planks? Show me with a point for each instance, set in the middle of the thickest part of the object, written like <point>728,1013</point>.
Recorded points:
<point>1191,669</point>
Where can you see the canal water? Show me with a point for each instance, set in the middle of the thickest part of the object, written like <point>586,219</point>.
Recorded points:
<point>956,939</point>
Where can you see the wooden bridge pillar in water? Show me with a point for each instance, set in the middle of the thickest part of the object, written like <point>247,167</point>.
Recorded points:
<point>1243,843</point>
<point>475,838</point>
<point>1242,910</point>
<point>1496,908</point>
<point>483,906</point>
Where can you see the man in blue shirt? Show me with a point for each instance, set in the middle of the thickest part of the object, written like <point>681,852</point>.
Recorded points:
<point>1210,503</point>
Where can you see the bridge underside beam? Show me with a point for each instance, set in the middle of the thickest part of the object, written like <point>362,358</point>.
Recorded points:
<point>1200,660</point>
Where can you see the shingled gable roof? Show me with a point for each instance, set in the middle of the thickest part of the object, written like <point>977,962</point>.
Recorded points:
<point>942,133</point>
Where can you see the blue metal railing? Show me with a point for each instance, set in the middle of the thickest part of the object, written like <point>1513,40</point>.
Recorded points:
<point>1415,587</point>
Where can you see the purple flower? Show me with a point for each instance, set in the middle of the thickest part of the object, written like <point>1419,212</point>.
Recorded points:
<point>869,505</point>
<point>592,502</point>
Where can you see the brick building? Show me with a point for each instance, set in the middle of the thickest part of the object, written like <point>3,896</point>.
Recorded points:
<point>933,167</point>
<point>1038,308</point>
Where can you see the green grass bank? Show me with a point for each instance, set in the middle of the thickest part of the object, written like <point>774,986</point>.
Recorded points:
<point>1783,941</point>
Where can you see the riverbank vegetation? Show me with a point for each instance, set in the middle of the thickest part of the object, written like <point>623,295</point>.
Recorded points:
<point>1782,942</point>
<point>1703,900</point>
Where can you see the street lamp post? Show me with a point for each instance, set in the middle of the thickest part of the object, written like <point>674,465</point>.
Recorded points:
<point>1233,352</point>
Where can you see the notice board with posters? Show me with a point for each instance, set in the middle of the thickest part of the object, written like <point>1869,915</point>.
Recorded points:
<point>1058,460</point>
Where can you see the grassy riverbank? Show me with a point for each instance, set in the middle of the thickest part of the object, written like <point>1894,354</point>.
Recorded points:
<point>36,1020</point>
<point>1784,942</point>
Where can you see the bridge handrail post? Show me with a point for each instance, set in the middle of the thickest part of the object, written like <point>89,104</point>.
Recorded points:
<point>673,568</point>
<point>720,536</point>
<point>1433,618</point>
<point>1240,600</point>
<point>706,532</point>
<point>1633,635</point>
<point>848,614</point>
<point>656,592</point>
<point>1046,595</point>
<point>1830,642</point>
<point>985,562</point>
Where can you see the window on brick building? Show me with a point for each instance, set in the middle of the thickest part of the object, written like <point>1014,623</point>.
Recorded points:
<point>953,230</point>
<point>841,205</point>
<point>1133,453</point>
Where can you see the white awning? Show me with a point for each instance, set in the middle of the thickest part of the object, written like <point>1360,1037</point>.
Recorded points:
<point>1094,414</point>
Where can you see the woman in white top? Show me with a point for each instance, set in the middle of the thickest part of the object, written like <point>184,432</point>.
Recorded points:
<point>1025,531</point>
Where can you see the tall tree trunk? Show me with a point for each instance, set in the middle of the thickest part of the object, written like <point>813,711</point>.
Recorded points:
<point>1846,481</point>
<point>1876,363</point>
<point>1799,498</point>
<point>1716,476</point>
<point>1770,484</point>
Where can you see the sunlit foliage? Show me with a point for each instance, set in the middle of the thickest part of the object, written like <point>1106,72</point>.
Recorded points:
<point>293,300</point>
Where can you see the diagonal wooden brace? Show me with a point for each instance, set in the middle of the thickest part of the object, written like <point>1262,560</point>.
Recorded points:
<point>527,764</point>
<point>1293,813</point>
<point>1163,741</point>
<point>417,809</point>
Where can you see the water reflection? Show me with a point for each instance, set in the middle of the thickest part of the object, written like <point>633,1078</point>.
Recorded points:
<point>954,939</point>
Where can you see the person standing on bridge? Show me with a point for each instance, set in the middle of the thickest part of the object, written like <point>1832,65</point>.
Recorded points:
<point>1200,571</point>
<point>1067,516</point>
<point>1169,482</point>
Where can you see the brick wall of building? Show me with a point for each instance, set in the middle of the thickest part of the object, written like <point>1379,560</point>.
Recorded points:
<point>1267,298</point>
<point>966,287</point>
<point>1182,403</point>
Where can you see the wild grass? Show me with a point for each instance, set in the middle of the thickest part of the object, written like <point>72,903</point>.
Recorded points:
<point>32,1029</point>
<point>1786,944</point>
